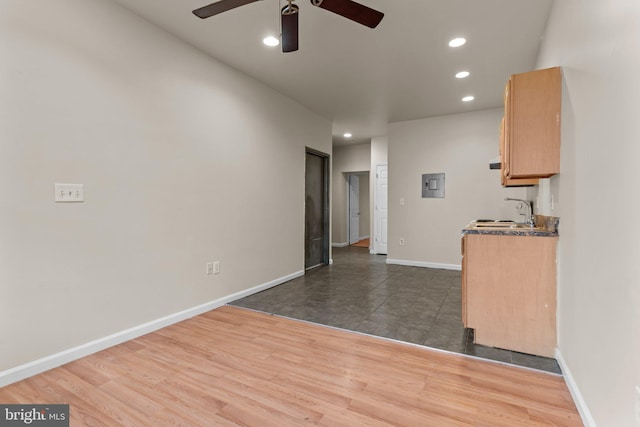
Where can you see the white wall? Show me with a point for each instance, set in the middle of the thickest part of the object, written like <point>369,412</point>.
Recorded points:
<point>379,151</point>
<point>346,159</point>
<point>184,161</point>
<point>460,146</point>
<point>596,197</point>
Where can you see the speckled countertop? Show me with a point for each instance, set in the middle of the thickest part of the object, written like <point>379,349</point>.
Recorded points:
<point>546,227</point>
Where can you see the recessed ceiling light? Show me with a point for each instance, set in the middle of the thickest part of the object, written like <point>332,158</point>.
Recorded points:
<point>462,74</point>
<point>347,135</point>
<point>271,41</point>
<point>468,98</point>
<point>457,42</point>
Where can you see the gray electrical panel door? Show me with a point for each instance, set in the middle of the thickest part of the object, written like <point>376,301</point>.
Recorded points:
<point>433,185</point>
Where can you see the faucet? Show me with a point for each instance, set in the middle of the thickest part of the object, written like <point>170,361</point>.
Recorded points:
<point>528,218</point>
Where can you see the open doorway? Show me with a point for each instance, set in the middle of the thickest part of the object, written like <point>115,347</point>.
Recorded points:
<point>358,209</point>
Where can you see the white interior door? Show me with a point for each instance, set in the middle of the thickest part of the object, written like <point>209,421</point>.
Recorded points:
<point>354,209</point>
<point>380,213</point>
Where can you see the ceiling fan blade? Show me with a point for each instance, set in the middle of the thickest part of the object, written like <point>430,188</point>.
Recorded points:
<point>289,20</point>
<point>219,7</point>
<point>351,10</point>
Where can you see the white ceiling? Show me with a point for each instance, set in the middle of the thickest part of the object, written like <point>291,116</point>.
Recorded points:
<point>362,78</point>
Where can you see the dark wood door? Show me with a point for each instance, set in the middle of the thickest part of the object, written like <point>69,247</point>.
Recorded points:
<point>316,210</point>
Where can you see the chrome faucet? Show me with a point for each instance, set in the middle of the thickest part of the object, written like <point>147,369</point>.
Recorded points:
<point>528,218</point>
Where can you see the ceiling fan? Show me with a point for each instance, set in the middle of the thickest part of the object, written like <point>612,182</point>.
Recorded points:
<point>289,15</point>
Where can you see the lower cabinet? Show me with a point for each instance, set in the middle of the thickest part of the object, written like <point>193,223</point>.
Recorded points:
<point>509,291</point>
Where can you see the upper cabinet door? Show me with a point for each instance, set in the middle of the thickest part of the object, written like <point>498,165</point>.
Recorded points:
<point>504,163</point>
<point>530,145</point>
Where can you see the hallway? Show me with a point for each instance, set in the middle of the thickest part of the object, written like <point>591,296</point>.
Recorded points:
<point>360,292</point>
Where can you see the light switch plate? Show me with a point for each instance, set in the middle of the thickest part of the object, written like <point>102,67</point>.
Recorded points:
<point>69,192</point>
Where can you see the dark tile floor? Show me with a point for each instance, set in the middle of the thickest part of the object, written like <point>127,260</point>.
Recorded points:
<point>360,292</point>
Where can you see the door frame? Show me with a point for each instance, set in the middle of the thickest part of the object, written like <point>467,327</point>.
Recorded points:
<point>349,202</point>
<point>326,212</point>
<point>375,248</point>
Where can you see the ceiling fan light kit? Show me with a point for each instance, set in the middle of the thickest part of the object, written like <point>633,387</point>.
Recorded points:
<point>289,15</point>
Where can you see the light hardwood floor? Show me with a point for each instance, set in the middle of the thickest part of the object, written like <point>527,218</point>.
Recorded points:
<point>233,366</point>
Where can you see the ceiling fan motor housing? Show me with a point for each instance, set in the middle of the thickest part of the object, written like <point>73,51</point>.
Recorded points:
<point>289,26</point>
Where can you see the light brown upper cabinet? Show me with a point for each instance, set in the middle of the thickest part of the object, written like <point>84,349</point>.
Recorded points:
<point>530,133</point>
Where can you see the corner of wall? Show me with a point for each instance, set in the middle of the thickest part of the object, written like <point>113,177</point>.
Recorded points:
<point>581,405</point>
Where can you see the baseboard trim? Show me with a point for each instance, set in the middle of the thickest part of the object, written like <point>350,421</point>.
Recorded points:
<point>581,405</point>
<point>424,264</point>
<point>340,245</point>
<point>35,367</point>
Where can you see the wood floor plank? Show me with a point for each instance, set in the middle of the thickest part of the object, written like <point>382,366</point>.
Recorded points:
<point>233,366</point>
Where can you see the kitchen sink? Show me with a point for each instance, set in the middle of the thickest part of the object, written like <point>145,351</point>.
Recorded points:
<point>501,225</point>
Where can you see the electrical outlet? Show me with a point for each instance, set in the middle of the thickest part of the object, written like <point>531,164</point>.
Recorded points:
<point>216,267</point>
<point>638,405</point>
<point>209,268</point>
<point>402,241</point>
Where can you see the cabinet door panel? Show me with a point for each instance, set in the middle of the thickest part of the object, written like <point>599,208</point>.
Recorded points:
<point>464,282</point>
<point>511,293</point>
<point>505,178</point>
<point>533,124</point>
